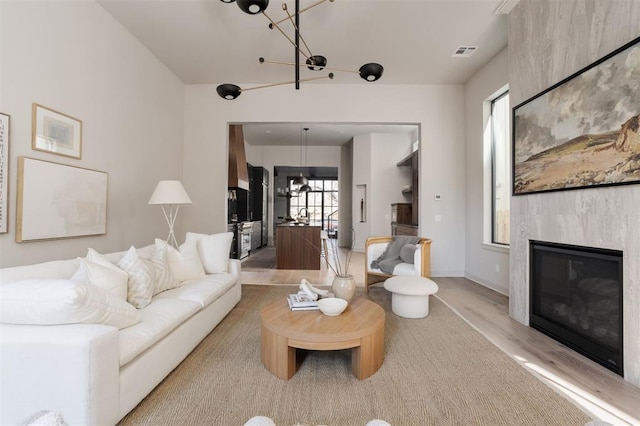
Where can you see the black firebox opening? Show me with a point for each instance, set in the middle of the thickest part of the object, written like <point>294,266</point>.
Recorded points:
<point>576,298</point>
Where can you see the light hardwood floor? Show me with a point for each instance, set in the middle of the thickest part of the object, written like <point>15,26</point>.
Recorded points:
<point>601,393</point>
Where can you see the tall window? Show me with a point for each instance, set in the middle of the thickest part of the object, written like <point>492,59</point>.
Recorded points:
<point>500,168</point>
<point>321,203</point>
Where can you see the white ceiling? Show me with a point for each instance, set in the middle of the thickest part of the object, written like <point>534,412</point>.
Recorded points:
<point>211,42</point>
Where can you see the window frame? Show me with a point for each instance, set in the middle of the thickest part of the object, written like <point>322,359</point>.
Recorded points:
<point>493,140</point>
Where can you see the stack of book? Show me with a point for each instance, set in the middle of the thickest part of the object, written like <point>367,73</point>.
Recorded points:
<point>301,302</point>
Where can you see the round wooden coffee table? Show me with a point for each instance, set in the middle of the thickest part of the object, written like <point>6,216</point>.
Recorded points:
<point>360,328</point>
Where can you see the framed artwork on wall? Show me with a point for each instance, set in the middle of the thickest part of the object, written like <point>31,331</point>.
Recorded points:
<point>59,201</point>
<point>4,171</point>
<point>582,132</point>
<point>56,133</point>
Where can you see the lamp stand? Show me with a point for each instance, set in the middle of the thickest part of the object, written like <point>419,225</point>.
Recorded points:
<point>171,220</point>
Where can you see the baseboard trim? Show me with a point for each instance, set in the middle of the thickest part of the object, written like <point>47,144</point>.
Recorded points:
<point>447,273</point>
<point>493,286</point>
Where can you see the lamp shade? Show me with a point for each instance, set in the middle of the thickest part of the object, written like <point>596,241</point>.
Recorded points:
<point>299,180</point>
<point>169,192</point>
<point>316,62</point>
<point>228,91</point>
<point>371,71</point>
<point>253,7</point>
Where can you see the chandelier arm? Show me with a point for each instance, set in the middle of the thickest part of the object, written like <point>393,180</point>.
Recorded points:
<point>303,10</point>
<point>293,43</point>
<point>297,29</point>
<point>297,46</point>
<point>288,82</point>
<point>266,61</point>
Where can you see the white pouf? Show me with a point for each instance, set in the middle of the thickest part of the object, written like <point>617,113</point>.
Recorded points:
<point>410,295</point>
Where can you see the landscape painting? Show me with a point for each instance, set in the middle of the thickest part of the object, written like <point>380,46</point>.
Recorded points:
<point>582,132</point>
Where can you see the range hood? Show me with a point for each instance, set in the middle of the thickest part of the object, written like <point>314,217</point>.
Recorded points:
<point>238,171</point>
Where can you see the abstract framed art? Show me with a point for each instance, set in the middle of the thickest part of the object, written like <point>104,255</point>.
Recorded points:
<point>56,133</point>
<point>59,201</point>
<point>4,171</point>
<point>582,132</point>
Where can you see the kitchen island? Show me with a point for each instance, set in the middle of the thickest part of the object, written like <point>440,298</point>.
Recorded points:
<point>297,246</point>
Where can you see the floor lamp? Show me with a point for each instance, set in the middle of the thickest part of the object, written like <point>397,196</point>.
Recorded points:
<point>170,194</point>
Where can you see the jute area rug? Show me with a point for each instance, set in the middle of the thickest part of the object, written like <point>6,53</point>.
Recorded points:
<point>437,371</point>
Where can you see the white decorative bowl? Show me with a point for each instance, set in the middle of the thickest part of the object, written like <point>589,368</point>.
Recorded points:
<point>332,306</point>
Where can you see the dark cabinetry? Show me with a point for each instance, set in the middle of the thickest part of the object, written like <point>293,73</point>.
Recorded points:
<point>259,183</point>
<point>401,213</point>
<point>256,234</point>
<point>405,216</point>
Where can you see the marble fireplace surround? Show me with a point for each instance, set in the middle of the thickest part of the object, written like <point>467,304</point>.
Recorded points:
<point>597,217</point>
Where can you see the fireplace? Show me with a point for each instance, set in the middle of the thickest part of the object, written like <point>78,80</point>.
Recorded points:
<point>576,298</point>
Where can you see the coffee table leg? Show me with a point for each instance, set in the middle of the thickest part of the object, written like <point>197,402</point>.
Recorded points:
<point>367,358</point>
<point>277,356</point>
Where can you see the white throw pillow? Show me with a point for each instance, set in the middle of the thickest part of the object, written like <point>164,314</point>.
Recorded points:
<point>141,278</point>
<point>214,250</point>
<point>111,279</point>
<point>51,302</point>
<point>101,259</point>
<point>164,280</point>
<point>185,264</point>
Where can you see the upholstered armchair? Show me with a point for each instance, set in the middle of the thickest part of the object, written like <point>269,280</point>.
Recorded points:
<point>374,248</point>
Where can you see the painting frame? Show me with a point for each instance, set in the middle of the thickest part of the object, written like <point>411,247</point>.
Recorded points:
<point>5,140</point>
<point>576,133</point>
<point>57,201</point>
<point>55,132</point>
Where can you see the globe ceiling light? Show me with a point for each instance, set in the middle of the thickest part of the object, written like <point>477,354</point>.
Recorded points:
<point>368,72</point>
<point>252,7</point>
<point>316,62</point>
<point>305,188</point>
<point>371,71</point>
<point>299,180</point>
<point>228,91</point>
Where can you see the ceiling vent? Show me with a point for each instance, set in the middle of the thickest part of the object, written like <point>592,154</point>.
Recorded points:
<point>464,51</point>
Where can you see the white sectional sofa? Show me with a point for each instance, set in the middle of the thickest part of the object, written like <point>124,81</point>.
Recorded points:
<point>91,356</point>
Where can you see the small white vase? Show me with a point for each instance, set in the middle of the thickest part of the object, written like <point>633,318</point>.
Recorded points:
<point>344,287</point>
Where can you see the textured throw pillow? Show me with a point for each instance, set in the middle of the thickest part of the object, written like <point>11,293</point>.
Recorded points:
<point>51,302</point>
<point>141,278</point>
<point>406,253</point>
<point>185,263</point>
<point>112,279</point>
<point>158,261</point>
<point>214,250</point>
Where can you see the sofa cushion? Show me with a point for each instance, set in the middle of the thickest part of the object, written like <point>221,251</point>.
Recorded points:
<point>112,278</point>
<point>158,261</point>
<point>159,318</point>
<point>202,291</point>
<point>185,263</point>
<point>63,301</point>
<point>214,250</point>
<point>47,270</point>
<point>141,278</point>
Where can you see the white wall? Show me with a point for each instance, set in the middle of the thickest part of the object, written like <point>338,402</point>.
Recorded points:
<point>72,56</point>
<point>361,175</point>
<point>481,258</point>
<point>549,41</point>
<point>439,110</point>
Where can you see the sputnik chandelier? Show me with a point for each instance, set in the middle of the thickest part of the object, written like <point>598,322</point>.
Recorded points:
<point>369,72</point>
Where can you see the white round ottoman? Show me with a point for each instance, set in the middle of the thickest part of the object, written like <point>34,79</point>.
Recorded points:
<point>410,295</point>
